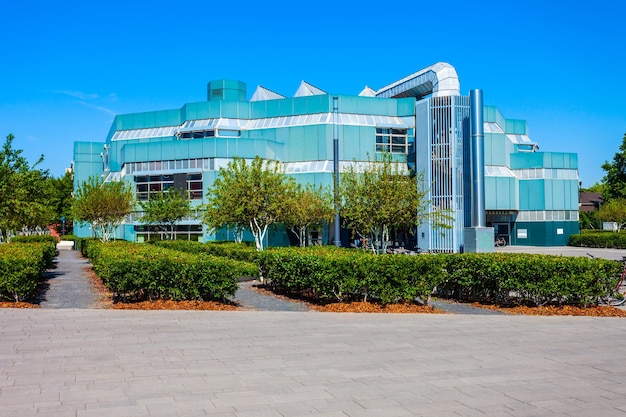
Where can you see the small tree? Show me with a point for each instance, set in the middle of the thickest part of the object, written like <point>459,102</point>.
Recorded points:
<point>164,209</point>
<point>61,199</point>
<point>307,207</point>
<point>614,211</point>
<point>380,196</point>
<point>24,191</point>
<point>103,205</point>
<point>248,194</point>
<point>615,178</point>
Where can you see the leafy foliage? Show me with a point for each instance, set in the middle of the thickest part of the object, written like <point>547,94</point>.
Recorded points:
<point>103,205</point>
<point>248,195</point>
<point>24,191</point>
<point>164,209</point>
<point>21,268</point>
<point>614,211</point>
<point>615,178</point>
<point>599,239</point>
<point>139,272</point>
<point>379,197</point>
<point>331,274</point>
<point>231,250</point>
<point>307,207</point>
<point>61,190</point>
<point>499,278</point>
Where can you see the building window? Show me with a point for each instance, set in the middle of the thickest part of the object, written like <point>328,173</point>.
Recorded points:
<point>146,185</point>
<point>209,133</point>
<point>392,140</point>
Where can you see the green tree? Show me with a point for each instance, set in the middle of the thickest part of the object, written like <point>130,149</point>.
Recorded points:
<point>61,199</point>
<point>24,193</point>
<point>164,209</point>
<point>103,205</point>
<point>598,187</point>
<point>615,178</point>
<point>614,211</point>
<point>307,207</point>
<point>378,197</point>
<point>248,194</point>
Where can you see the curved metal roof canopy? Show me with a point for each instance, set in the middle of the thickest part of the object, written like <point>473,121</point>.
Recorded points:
<point>439,79</point>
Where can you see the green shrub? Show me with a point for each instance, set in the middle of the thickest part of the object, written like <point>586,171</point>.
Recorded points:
<point>34,239</point>
<point>503,278</point>
<point>21,268</point>
<point>599,239</point>
<point>232,250</point>
<point>500,278</point>
<point>140,272</point>
<point>344,275</point>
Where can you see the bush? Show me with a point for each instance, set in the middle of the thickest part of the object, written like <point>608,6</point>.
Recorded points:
<point>231,250</point>
<point>47,243</point>
<point>500,278</point>
<point>503,278</point>
<point>599,239</point>
<point>140,272</point>
<point>345,275</point>
<point>21,268</point>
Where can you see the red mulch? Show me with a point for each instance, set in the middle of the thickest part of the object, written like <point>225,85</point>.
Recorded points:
<point>366,307</point>
<point>594,311</point>
<point>175,305</point>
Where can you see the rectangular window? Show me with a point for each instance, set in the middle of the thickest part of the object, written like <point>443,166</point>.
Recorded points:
<point>392,140</point>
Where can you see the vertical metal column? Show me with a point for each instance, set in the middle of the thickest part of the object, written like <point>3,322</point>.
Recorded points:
<point>337,229</point>
<point>477,158</point>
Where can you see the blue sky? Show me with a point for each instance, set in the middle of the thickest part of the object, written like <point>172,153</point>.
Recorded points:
<point>69,67</point>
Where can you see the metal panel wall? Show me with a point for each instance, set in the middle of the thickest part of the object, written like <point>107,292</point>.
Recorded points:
<point>441,157</point>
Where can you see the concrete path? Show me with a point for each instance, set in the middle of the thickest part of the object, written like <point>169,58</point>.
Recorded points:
<point>67,283</point>
<point>250,299</point>
<point>85,363</point>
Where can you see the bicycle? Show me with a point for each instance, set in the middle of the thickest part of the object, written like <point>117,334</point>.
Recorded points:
<point>616,296</point>
<point>499,241</point>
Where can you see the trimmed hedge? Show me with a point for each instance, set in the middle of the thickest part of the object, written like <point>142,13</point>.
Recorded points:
<point>500,278</point>
<point>345,275</point>
<point>231,250</point>
<point>506,278</point>
<point>21,269</point>
<point>599,239</point>
<point>139,272</point>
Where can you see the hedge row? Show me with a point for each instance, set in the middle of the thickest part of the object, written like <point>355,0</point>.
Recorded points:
<point>21,268</point>
<point>139,272</point>
<point>500,278</point>
<point>345,275</point>
<point>47,243</point>
<point>231,250</point>
<point>503,278</point>
<point>599,239</point>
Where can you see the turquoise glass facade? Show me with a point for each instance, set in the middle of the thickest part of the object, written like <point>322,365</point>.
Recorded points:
<point>530,195</point>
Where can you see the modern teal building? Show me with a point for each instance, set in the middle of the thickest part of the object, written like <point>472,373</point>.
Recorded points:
<point>491,177</point>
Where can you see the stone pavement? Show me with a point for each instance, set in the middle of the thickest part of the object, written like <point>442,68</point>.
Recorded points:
<point>250,299</point>
<point>83,363</point>
<point>67,283</point>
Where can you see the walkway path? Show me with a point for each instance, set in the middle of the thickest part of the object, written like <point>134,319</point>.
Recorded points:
<point>254,300</point>
<point>68,284</point>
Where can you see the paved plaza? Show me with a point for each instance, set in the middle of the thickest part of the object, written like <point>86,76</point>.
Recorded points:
<point>72,362</point>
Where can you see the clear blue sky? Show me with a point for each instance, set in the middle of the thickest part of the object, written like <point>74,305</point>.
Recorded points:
<point>69,67</point>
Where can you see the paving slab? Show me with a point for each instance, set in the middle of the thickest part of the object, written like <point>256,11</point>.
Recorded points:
<point>79,362</point>
<point>67,283</point>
